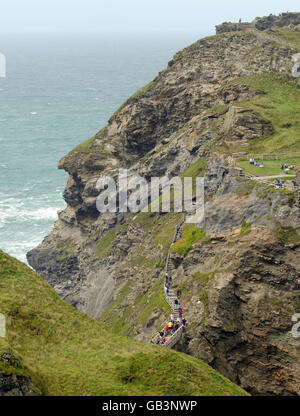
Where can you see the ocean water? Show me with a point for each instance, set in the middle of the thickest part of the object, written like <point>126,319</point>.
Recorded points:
<point>57,93</point>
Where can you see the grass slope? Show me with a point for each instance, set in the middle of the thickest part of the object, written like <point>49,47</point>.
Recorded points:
<point>279,104</point>
<point>64,352</point>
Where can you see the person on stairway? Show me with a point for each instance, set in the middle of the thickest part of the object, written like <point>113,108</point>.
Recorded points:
<point>162,340</point>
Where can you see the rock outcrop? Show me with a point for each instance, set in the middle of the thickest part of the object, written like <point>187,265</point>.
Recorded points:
<point>13,385</point>
<point>262,23</point>
<point>249,289</point>
<point>189,121</point>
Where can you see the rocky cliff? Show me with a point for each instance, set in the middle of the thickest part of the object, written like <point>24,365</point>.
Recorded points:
<point>12,385</point>
<point>262,23</point>
<point>223,96</point>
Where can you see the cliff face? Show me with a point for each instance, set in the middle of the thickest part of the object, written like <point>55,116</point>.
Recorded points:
<point>249,289</point>
<point>219,96</point>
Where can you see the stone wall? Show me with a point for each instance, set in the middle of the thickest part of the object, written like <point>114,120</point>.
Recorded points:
<point>232,27</point>
<point>261,23</point>
<point>272,21</point>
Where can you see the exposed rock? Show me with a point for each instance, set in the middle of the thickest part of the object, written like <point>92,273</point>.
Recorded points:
<point>255,279</point>
<point>113,262</point>
<point>13,385</point>
<point>262,23</point>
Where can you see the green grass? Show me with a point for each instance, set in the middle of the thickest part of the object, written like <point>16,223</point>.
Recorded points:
<point>144,306</point>
<point>161,226</point>
<point>190,235</point>
<point>134,96</point>
<point>86,145</point>
<point>202,278</point>
<point>184,286</point>
<point>104,246</point>
<point>271,167</point>
<point>64,352</point>
<point>196,169</point>
<point>279,104</point>
<point>288,35</point>
<point>287,234</point>
<point>245,228</point>
<point>66,248</point>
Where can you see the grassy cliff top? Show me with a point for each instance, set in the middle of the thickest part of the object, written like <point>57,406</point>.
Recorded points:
<point>64,352</point>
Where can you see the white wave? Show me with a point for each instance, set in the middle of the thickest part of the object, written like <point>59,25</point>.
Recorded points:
<point>18,249</point>
<point>47,213</point>
<point>33,112</point>
<point>17,213</point>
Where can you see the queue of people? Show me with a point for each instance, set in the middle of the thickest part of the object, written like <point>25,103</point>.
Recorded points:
<point>174,324</point>
<point>170,329</point>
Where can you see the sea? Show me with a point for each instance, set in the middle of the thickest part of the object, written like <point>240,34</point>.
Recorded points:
<point>59,90</point>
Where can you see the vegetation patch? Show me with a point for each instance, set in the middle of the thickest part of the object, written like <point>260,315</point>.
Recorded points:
<point>196,169</point>
<point>288,35</point>
<point>245,228</point>
<point>134,96</point>
<point>184,287</point>
<point>246,188</point>
<point>105,244</point>
<point>203,278</point>
<point>280,105</point>
<point>66,248</point>
<point>190,235</point>
<point>286,234</point>
<point>161,226</point>
<point>121,321</point>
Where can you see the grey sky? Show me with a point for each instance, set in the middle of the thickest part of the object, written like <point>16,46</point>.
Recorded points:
<point>80,16</point>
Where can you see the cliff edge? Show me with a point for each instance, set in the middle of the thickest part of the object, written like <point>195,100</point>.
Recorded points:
<point>218,101</point>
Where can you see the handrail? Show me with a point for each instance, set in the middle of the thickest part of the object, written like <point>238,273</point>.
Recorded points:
<point>172,339</point>
<point>256,178</point>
